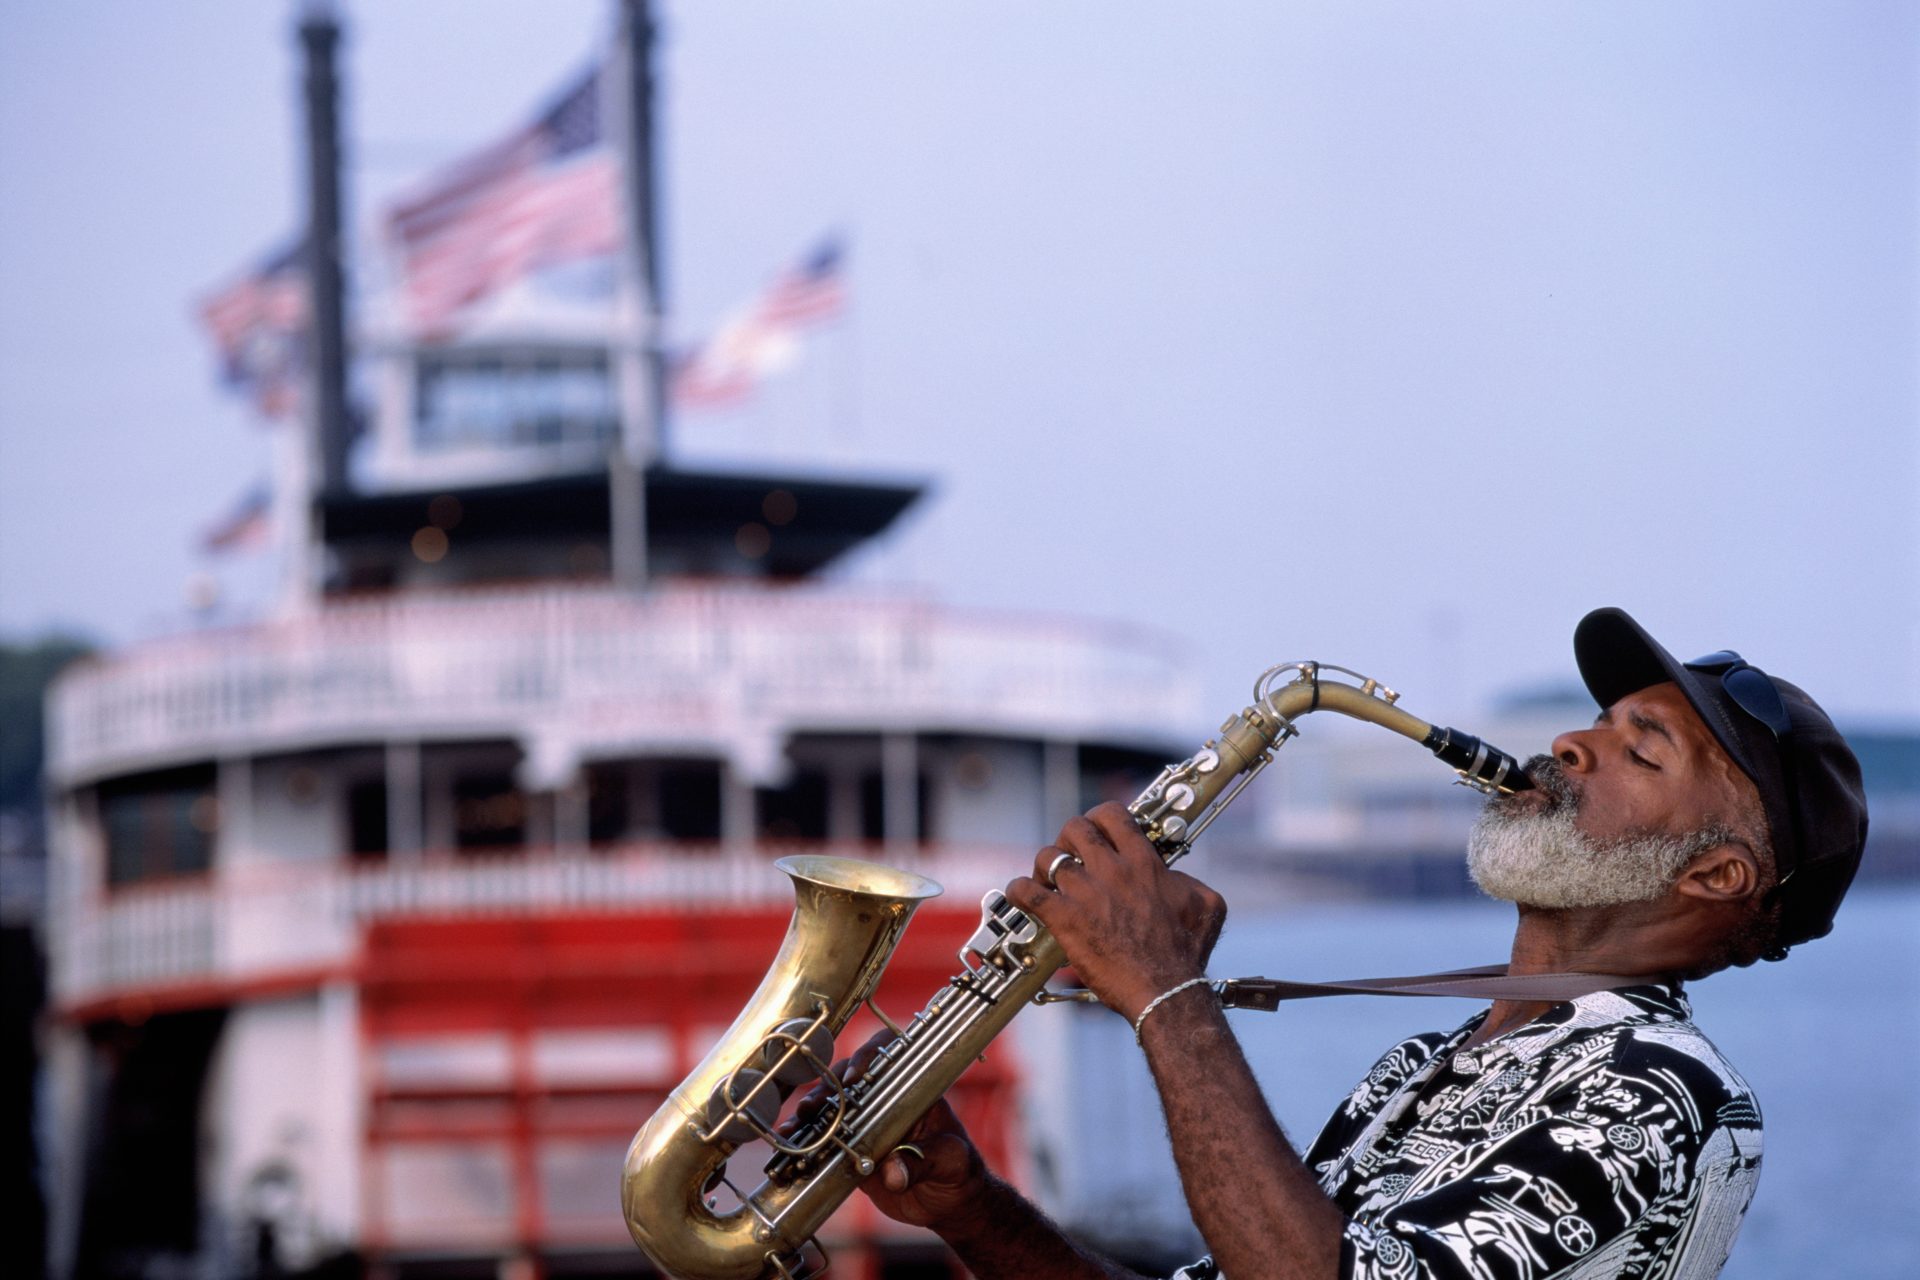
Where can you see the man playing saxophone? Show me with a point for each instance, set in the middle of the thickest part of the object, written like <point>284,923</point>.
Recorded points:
<point>1711,816</point>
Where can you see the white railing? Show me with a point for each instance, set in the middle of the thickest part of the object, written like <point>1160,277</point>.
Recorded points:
<point>273,922</point>
<point>564,666</point>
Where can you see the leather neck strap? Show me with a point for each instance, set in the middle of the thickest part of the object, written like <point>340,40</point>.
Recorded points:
<point>1487,982</point>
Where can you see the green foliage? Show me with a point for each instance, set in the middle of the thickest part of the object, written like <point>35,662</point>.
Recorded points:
<point>25,672</point>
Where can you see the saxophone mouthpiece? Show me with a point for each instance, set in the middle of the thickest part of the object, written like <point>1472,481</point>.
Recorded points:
<point>1481,765</point>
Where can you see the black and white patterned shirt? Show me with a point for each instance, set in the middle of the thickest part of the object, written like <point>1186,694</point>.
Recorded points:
<point>1606,1138</point>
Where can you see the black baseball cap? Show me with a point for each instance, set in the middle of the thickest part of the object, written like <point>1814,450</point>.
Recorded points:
<point>1808,779</point>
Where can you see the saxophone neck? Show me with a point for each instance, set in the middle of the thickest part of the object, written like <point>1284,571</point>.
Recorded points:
<point>1180,803</point>
<point>1189,795</point>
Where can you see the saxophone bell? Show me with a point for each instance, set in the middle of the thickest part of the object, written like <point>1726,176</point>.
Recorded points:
<point>847,919</point>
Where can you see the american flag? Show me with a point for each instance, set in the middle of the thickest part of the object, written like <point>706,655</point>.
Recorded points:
<point>810,292</point>
<point>546,195</point>
<point>259,325</point>
<point>763,337</point>
<point>248,525</point>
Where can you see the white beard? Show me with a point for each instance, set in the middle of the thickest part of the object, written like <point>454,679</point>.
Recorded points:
<point>1539,858</point>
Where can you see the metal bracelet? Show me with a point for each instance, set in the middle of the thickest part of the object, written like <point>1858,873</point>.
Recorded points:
<point>1155,1003</point>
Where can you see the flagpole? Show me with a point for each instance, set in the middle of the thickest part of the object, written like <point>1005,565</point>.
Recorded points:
<point>638,365</point>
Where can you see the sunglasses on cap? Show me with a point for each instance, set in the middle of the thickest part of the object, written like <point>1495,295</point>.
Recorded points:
<point>1752,691</point>
<point>1749,688</point>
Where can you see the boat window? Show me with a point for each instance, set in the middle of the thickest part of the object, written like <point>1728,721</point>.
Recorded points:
<point>797,811</point>
<point>159,824</point>
<point>489,811</point>
<point>464,399</point>
<point>690,799</point>
<point>367,818</point>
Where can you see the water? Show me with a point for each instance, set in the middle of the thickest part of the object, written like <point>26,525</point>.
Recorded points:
<point>1829,1040</point>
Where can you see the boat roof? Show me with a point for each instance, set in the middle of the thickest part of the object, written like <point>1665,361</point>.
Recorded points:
<point>694,518</point>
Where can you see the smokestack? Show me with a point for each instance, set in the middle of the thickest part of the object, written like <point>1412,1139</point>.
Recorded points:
<point>637,37</point>
<point>638,366</point>
<point>326,275</point>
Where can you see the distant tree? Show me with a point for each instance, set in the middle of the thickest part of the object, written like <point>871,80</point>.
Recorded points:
<point>25,672</point>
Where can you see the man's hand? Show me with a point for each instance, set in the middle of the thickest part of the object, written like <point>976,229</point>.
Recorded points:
<point>1131,926</point>
<point>943,1187</point>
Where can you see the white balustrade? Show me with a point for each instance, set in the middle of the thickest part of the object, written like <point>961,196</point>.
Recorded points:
<point>273,923</point>
<point>575,664</point>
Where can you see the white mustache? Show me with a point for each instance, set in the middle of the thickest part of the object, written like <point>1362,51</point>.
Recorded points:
<point>1550,779</point>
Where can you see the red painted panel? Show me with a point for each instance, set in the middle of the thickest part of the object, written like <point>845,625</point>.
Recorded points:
<point>495,986</point>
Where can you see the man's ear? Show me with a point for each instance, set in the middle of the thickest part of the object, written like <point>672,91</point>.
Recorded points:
<point>1725,873</point>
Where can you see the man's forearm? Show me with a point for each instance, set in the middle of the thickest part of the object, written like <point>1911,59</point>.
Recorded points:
<point>1007,1236</point>
<point>1257,1205</point>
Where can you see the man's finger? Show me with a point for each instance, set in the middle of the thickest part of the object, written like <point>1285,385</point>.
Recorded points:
<point>1117,827</point>
<point>1085,841</point>
<point>938,1158</point>
<point>1034,898</point>
<point>1051,862</point>
<point>849,1069</point>
<point>809,1104</point>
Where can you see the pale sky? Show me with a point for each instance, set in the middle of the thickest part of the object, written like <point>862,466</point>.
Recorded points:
<point>1391,335</point>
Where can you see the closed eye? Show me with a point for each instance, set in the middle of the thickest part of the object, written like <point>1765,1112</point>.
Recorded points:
<point>1642,761</point>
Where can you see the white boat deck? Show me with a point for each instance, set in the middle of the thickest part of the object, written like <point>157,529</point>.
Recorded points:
<point>573,672</point>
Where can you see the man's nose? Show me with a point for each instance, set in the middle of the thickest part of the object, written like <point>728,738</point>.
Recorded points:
<point>1574,751</point>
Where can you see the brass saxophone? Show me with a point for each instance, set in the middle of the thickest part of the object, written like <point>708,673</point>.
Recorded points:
<point>848,916</point>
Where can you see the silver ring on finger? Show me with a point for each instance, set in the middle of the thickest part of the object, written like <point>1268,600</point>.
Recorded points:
<point>1055,866</point>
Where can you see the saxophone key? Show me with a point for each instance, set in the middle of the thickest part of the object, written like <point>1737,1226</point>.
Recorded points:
<point>742,1107</point>
<point>1001,923</point>
<point>797,1052</point>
